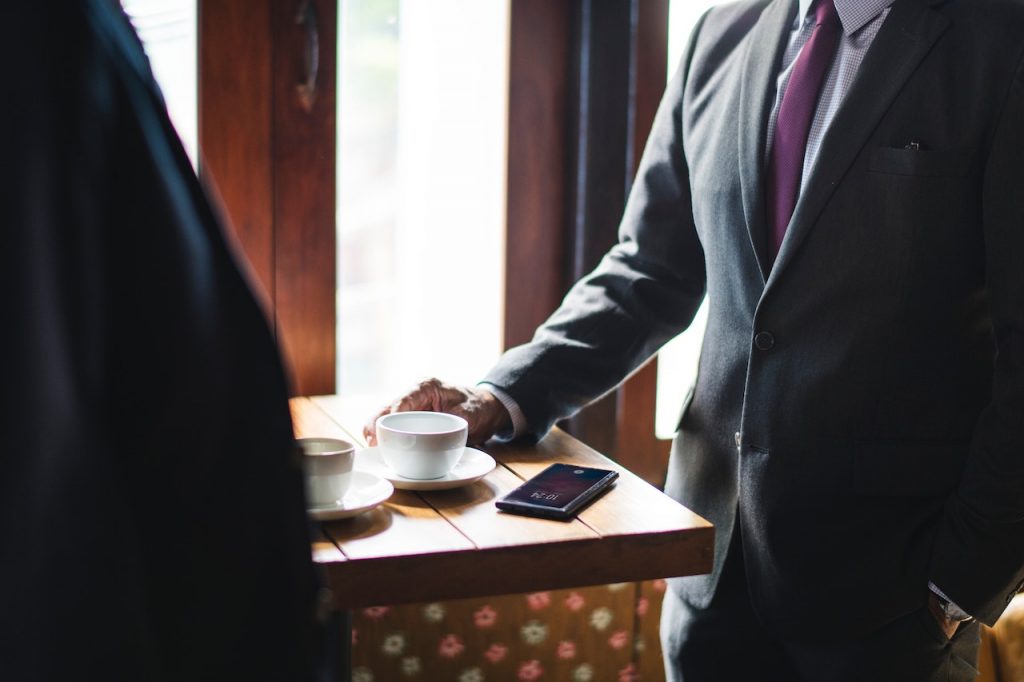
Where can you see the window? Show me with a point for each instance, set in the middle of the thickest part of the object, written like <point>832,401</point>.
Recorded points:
<point>422,90</point>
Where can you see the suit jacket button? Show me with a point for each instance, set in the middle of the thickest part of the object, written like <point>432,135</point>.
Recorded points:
<point>738,438</point>
<point>764,341</point>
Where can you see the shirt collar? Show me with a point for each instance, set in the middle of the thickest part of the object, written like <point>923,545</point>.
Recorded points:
<point>853,14</point>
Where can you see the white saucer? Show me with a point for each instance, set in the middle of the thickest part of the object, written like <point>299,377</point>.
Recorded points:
<point>473,466</point>
<point>366,491</point>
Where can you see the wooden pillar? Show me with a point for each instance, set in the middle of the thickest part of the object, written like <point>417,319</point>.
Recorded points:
<point>267,146</point>
<point>586,80</point>
<point>540,46</point>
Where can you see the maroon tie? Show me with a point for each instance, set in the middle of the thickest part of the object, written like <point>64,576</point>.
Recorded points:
<point>793,123</point>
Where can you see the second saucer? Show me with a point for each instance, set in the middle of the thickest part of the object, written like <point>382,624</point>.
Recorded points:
<point>366,492</point>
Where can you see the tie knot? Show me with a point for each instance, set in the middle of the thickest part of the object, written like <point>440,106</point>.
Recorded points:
<point>825,12</point>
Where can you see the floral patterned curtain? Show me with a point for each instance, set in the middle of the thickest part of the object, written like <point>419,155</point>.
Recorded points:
<point>586,634</point>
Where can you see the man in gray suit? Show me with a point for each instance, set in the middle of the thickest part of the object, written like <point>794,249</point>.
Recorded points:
<point>845,182</point>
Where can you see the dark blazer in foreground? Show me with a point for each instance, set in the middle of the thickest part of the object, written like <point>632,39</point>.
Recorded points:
<point>876,371</point>
<point>151,517</point>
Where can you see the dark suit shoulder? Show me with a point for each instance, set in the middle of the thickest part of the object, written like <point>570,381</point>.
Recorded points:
<point>717,36</point>
<point>985,41</point>
<point>737,15</point>
<point>1002,9</point>
<point>994,24</point>
<point>725,25</point>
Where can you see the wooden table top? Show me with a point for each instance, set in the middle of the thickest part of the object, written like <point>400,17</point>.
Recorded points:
<point>426,546</point>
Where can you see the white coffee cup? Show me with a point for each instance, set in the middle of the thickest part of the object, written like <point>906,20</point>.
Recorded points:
<point>327,469</point>
<point>421,445</point>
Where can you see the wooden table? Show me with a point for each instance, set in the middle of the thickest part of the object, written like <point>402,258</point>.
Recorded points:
<point>454,544</point>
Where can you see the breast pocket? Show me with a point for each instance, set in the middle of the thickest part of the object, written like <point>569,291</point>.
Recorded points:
<point>917,162</point>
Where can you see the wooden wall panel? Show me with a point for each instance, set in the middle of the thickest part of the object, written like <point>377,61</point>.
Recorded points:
<point>601,119</point>
<point>235,124</point>
<point>304,195</point>
<point>271,155</point>
<point>650,69</point>
<point>541,40</point>
<point>602,108</point>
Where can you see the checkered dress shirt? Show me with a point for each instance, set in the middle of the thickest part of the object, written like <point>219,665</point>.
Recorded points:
<point>861,20</point>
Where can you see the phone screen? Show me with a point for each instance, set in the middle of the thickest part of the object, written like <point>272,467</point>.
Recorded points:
<point>561,488</point>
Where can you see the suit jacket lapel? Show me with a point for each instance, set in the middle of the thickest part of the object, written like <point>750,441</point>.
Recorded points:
<point>903,41</point>
<point>765,45</point>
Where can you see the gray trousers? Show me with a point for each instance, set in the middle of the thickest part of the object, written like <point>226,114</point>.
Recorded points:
<point>726,642</point>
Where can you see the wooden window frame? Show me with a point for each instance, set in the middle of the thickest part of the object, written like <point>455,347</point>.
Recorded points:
<point>267,147</point>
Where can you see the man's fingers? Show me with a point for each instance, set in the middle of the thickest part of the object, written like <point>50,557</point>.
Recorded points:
<point>411,402</point>
<point>430,395</point>
<point>437,396</point>
<point>370,427</point>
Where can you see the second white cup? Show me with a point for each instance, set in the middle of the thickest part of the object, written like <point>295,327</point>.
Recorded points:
<point>327,468</point>
<point>421,445</point>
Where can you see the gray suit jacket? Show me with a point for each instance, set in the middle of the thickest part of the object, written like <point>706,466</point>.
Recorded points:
<point>876,371</point>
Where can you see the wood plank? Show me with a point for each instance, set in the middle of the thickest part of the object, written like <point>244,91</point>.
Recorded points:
<point>235,157</point>
<point>350,414</point>
<point>304,198</point>
<point>309,421</point>
<point>638,446</point>
<point>507,570</point>
<point>324,549</point>
<point>272,161</point>
<point>540,45</point>
<point>650,54</point>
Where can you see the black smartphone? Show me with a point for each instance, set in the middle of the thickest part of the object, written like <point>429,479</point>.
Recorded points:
<point>558,492</point>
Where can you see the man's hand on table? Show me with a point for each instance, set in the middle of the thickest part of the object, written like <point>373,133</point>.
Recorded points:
<point>478,406</point>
